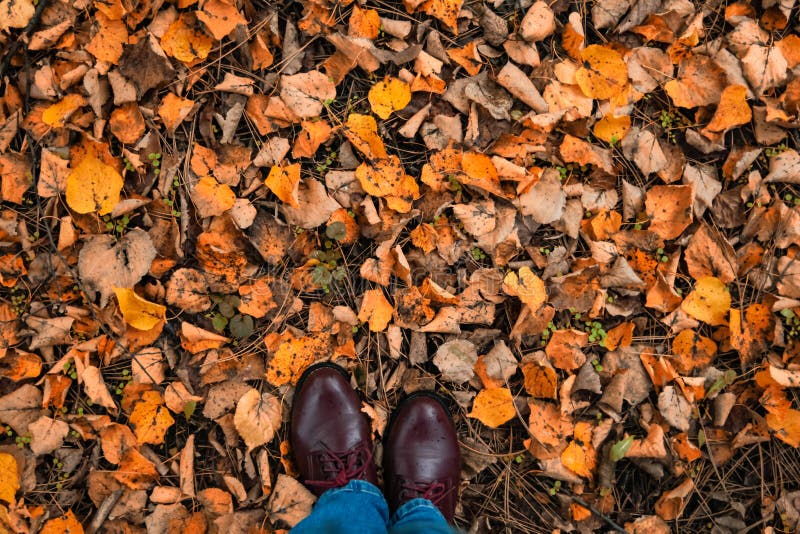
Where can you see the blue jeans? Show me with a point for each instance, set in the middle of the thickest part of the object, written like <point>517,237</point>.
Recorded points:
<point>360,508</point>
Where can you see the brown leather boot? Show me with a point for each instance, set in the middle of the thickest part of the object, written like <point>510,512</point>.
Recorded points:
<point>330,435</point>
<point>421,453</point>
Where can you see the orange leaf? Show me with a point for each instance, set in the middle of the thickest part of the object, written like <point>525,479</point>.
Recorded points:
<point>150,419</point>
<point>186,41</point>
<point>564,349</point>
<point>692,351</point>
<point>284,181</point>
<point>364,23</point>
<point>574,459</point>
<point>127,123</point>
<point>732,111</point>
<point>752,336</point>
<point>387,178</point>
<point>786,426</point>
<point>313,134</point>
<point>480,172</point>
<point>612,129</point>
<point>392,94</point>
<point>110,39</point>
<point>293,356</point>
<point>212,198</point>
<point>669,208</point>
<point>135,471</point>
<point>467,57</point>
<point>375,309</point>
<point>540,381</point>
<point>362,132</point>
<point>220,18</point>
<point>493,407</point>
<point>445,10</point>
<point>604,74</point>
<point>174,110</point>
<point>66,524</point>
<point>619,336</point>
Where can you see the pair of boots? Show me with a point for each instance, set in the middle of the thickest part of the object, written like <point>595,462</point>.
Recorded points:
<point>332,442</point>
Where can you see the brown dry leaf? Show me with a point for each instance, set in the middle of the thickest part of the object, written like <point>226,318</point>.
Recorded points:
<point>604,73</point>
<point>547,424</point>
<point>150,419</point>
<point>16,175</point>
<point>619,336</point>
<point>186,40</point>
<point>364,23</point>
<point>456,360</point>
<point>564,349</point>
<point>290,501</point>
<point>541,381</point>
<point>376,310</point>
<point>95,388</point>
<point>52,174</point>
<point>115,439</point>
<point>752,336</point>
<point>674,408</point>
<point>671,503</point>
<point>732,111</point>
<point>127,123</point>
<point>307,93</point>
<point>700,82</point>
<point>692,351</point>
<point>16,14</point>
<point>388,96</point>
<point>188,290</point>
<point>709,301</point>
<point>257,417</point>
<point>538,23</point>
<point>669,208</point>
<point>284,181</point>
<point>47,435</point>
<point>220,18</point>
<point>493,407</point>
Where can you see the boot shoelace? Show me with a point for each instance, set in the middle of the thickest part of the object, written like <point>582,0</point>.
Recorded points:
<point>343,466</point>
<point>433,491</point>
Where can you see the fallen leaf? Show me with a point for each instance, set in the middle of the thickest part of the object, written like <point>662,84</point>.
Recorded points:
<point>674,407</point>
<point>16,14</point>
<point>672,502</point>
<point>212,198</point>
<point>93,186</point>
<point>220,18</point>
<point>732,111</point>
<point>456,360</point>
<point>669,208</point>
<point>604,73</point>
<point>150,419</point>
<point>709,301</point>
<point>57,114</point>
<point>186,40</point>
<point>493,407</point>
<point>66,524</point>
<point>388,96</point>
<point>307,93</point>
<point>9,477</point>
<point>257,417</point>
<point>528,287</point>
<point>138,312</point>
<point>284,182</point>
<point>290,501</point>
<point>376,310</point>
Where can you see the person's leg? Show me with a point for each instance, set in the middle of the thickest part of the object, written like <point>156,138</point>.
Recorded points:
<point>357,508</point>
<point>332,444</point>
<point>422,466</point>
<point>419,515</point>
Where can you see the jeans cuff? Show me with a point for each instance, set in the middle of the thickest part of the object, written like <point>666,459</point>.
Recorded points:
<point>415,504</point>
<point>356,486</point>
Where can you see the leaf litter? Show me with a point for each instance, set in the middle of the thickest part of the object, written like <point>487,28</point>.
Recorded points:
<point>578,222</point>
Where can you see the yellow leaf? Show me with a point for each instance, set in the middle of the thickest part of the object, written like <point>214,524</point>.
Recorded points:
<point>786,425</point>
<point>212,198</point>
<point>57,114</point>
<point>185,41</point>
<point>604,74</point>
<point>612,129</point>
<point>362,132</point>
<point>375,309</point>
<point>285,182</point>
<point>93,186</point>
<point>574,459</point>
<point>392,94</point>
<point>387,178</point>
<point>9,477</point>
<point>66,524</point>
<point>709,301</point>
<point>150,419</point>
<point>527,286</point>
<point>138,312</point>
<point>493,407</point>
<point>293,356</point>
